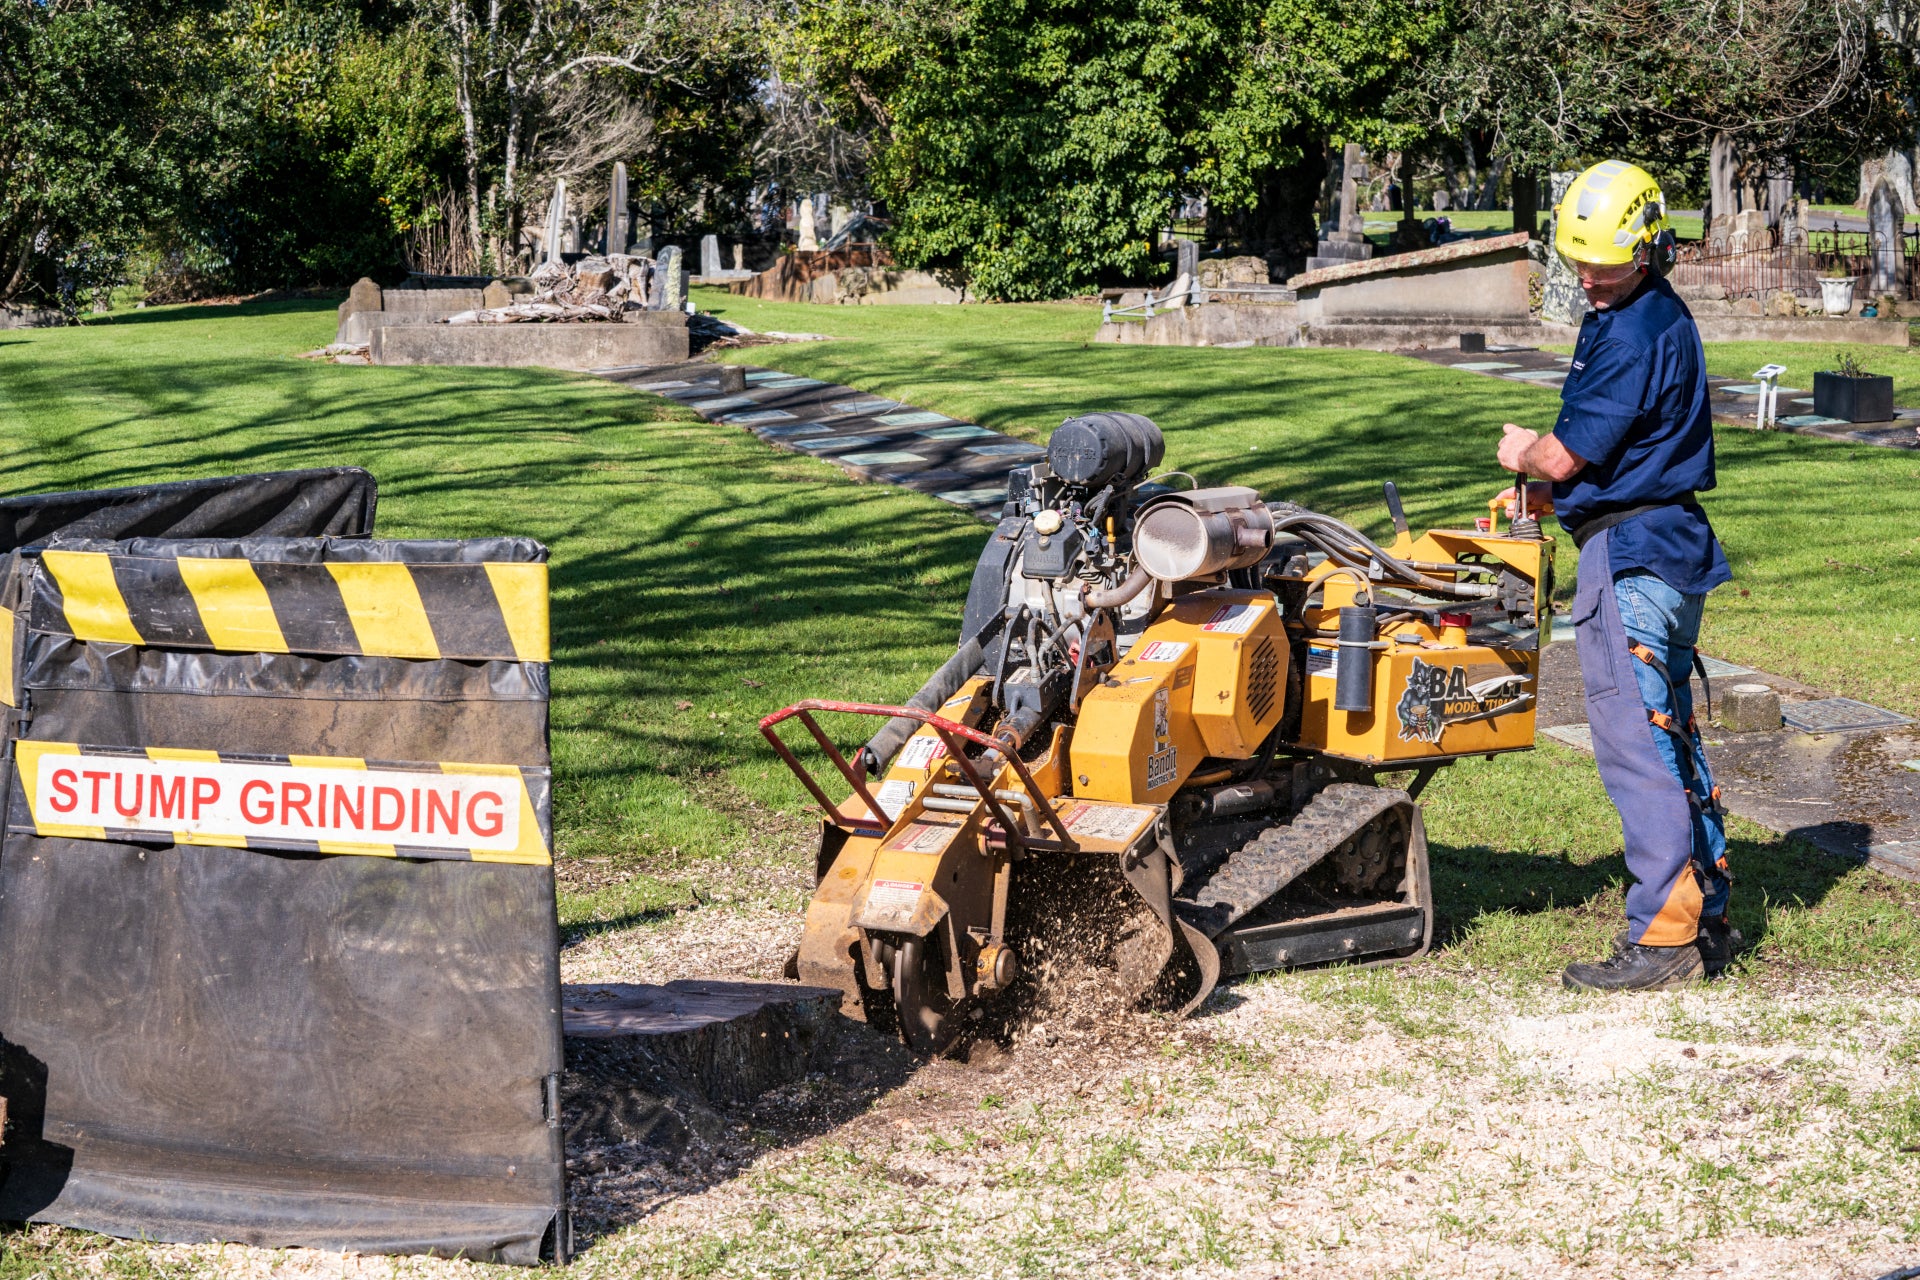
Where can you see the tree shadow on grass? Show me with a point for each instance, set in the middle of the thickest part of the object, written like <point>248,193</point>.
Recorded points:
<point>1474,883</point>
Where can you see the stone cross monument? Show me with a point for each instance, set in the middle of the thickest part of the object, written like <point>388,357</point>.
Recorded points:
<point>1346,241</point>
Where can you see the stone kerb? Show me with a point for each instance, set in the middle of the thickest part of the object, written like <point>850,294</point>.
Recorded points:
<point>644,337</point>
<point>1469,281</point>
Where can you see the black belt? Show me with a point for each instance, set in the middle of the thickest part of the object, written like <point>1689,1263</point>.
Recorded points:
<point>1601,523</point>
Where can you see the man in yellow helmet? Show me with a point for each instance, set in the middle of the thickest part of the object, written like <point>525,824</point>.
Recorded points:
<point>1631,450</point>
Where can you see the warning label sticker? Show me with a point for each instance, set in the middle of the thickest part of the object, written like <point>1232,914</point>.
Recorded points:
<point>1232,619</point>
<point>231,800</point>
<point>1116,822</point>
<point>1161,651</point>
<point>924,837</point>
<point>894,895</point>
<point>1323,662</point>
<point>919,752</point>
<point>1162,768</point>
<point>893,796</point>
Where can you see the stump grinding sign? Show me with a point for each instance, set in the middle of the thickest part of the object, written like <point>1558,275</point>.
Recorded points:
<point>279,962</point>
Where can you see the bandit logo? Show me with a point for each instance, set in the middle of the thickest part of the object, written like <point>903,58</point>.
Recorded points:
<point>1436,697</point>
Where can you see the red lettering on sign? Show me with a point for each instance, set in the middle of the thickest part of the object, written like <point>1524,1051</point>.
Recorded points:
<point>446,808</point>
<point>205,792</point>
<point>260,816</point>
<point>381,794</point>
<point>98,777</point>
<point>413,828</point>
<point>294,798</point>
<point>489,824</point>
<point>358,811</point>
<point>165,801</point>
<point>63,780</point>
<point>139,793</point>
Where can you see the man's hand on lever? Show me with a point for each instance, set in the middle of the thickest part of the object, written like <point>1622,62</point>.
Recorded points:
<point>1532,454</point>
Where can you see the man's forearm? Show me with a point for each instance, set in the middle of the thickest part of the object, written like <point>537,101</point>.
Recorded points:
<point>1548,458</point>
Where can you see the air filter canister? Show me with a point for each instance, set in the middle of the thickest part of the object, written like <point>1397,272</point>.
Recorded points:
<point>1097,449</point>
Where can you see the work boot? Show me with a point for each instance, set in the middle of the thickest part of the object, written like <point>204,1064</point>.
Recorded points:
<point>1637,968</point>
<point>1719,943</point>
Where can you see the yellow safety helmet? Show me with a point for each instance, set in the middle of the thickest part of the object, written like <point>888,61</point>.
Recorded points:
<point>1614,214</point>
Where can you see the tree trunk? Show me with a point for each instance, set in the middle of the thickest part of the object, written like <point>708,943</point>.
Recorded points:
<point>1526,203</point>
<point>463,102</point>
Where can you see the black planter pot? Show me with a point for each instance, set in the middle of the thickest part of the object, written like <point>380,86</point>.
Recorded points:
<point>1868,399</point>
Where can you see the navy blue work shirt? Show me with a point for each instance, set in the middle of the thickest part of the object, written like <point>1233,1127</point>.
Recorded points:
<point>1635,406</point>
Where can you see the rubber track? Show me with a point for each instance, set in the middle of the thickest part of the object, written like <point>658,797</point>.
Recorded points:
<point>1277,856</point>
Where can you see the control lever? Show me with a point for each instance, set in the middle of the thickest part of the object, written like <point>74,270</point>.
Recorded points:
<point>1394,510</point>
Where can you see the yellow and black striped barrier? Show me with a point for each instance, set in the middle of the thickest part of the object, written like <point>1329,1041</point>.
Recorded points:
<point>306,804</point>
<point>484,611</point>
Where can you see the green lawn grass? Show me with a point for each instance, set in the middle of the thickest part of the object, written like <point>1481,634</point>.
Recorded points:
<point>701,579</point>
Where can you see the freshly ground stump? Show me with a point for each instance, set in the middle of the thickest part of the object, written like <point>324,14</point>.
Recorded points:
<point>649,1063</point>
<point>1750,708</point>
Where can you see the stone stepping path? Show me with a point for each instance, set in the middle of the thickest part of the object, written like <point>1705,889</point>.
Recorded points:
<point>1842,775</point>
<point>868,436</point>
<point>1734,400</point>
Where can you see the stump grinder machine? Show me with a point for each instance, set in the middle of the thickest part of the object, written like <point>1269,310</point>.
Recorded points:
<point>1157,755</point>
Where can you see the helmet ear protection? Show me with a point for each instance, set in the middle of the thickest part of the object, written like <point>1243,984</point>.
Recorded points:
<point>1658,254</point>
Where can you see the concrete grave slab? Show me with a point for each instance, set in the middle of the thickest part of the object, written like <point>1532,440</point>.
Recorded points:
<point>1010,450</point>
<point>881,458</point>
<point>722,402</point>
<point>800,429</point>
<point>865,405</point>
<point>1577,736</point>
<point>1716,668</point>
<point>757,418</point>
<point>956,433</point>
<point>1484,366</point>
<point>974,497</point>
<point>918,418</point>
<point>1813,420</point>
<point>839,442</point>
<point>1839,715</point>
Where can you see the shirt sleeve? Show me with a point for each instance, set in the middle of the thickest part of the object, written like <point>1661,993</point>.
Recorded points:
<point>1596,414</point>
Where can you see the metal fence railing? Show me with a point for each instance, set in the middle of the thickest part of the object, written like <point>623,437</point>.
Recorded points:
<point>1761,266</point>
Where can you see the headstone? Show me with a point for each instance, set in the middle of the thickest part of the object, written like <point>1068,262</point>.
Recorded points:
<point>673,276</point>
<point>495,295</point>
<point>739,256</point>
<point>570,237</point>
<point>709,255</point>
<point>556,225</point>
<point>618,228</point>
<point>364,296</point>
<point>1779,195</point>
<point>1564,301</point>
<point>1186,258</point>
<point>809,239</point>
<point>1883,239</point>
<point>837,215</point>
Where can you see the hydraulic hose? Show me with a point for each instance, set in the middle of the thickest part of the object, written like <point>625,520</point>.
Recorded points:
<point>1344,545</point>
<point>940,686</point>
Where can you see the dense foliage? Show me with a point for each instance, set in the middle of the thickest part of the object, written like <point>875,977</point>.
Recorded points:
<point>1027,148</point>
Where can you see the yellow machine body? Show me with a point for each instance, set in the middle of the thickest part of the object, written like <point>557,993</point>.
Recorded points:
<point>1166,728</point>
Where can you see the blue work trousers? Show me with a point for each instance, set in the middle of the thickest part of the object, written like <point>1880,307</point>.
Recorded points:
<point>1647,746</point>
